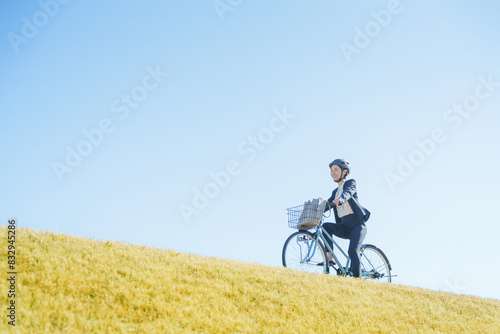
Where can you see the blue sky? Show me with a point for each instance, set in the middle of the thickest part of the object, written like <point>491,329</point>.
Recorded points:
<point>183,90</point>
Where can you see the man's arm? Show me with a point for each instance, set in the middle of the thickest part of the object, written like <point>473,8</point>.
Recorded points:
<point>329,201</point>
<point>328,206</point>
<point>349,191</point>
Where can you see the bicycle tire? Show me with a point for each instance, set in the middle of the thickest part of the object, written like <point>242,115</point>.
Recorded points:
<point>374,264</point>
<point>295,250</point>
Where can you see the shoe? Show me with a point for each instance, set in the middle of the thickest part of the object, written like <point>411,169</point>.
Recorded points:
<point>331,263</point>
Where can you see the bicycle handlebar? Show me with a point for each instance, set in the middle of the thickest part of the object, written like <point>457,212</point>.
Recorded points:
<point>330,205</point>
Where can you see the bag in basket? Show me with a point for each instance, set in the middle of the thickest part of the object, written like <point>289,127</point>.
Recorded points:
<point>311,214</point>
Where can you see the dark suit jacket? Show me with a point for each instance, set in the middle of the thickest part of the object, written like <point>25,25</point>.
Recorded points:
<point>350,195</point>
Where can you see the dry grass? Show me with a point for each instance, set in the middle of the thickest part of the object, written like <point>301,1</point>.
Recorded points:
<point>69,284</point>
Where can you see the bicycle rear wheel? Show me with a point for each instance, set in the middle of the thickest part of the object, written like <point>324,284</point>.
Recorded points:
<point>374,264</point>
<point>300,253</point>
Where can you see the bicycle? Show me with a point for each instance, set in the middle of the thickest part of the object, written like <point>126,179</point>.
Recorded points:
<point>305,250</point>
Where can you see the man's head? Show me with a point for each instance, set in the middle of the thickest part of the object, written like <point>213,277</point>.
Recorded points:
<point>339,169</point>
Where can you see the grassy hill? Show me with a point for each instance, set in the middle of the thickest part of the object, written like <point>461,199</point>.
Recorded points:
<point>70,284</point>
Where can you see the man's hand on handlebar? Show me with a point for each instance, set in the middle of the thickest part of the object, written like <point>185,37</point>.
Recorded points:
<point>329,205</point>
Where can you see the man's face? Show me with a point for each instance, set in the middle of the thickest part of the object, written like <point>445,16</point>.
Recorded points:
<point>335,172</point>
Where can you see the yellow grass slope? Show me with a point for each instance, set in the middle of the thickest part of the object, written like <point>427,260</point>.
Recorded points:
<point>69,284</point>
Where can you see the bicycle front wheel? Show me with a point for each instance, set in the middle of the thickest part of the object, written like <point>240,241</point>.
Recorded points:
<point>374,264</point>
<point>301,252</point>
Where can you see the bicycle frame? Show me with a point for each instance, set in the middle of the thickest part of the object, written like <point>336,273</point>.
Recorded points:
<point>321,235</point>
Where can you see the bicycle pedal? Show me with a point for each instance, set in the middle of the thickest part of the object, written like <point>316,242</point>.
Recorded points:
<point>331,264</point>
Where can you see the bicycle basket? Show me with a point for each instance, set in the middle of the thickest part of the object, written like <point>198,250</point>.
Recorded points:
<point>306,216</point>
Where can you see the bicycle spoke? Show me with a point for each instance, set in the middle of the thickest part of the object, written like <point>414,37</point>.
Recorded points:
<point>301,252</point>
<point>375,265</point>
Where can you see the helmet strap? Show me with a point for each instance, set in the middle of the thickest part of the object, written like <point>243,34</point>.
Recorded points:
<point>342,176</point>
